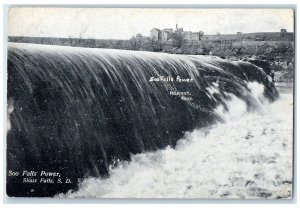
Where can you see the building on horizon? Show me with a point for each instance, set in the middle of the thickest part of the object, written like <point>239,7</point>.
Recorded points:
<point>168,33</point>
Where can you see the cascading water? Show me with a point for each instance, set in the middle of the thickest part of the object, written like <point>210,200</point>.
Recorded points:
<point>77,110</point>
<point>249,156</point>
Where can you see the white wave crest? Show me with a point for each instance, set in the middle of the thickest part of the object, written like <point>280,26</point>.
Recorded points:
<point>249,156</point>
<point>10,109</point>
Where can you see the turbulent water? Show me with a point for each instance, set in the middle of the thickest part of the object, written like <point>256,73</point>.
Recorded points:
<point>248,156</point>
<point>84,112</point>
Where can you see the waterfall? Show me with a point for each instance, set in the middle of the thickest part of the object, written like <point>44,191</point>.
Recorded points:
<point>77,110</point>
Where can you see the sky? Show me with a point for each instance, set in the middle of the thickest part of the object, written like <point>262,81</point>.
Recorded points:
<point>123,23</point>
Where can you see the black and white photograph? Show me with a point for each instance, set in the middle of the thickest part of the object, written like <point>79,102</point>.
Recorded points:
<point>150,103</point>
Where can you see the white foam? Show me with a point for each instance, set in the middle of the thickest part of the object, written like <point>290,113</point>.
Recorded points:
<point>245,157</point>
<point>257,91</point>
<point>10,109</point>
<point>236,108</point>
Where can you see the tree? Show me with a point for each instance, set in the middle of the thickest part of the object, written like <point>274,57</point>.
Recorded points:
<point>201,34</point>
<point>75,41</point>
<point>155,45</point>
<point>133,43</point>
<point>178,39</point>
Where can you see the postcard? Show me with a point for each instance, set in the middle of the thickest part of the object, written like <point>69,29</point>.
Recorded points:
<point>160,103</point>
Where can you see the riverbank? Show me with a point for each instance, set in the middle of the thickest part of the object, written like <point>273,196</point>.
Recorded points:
<point>284,87</point>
